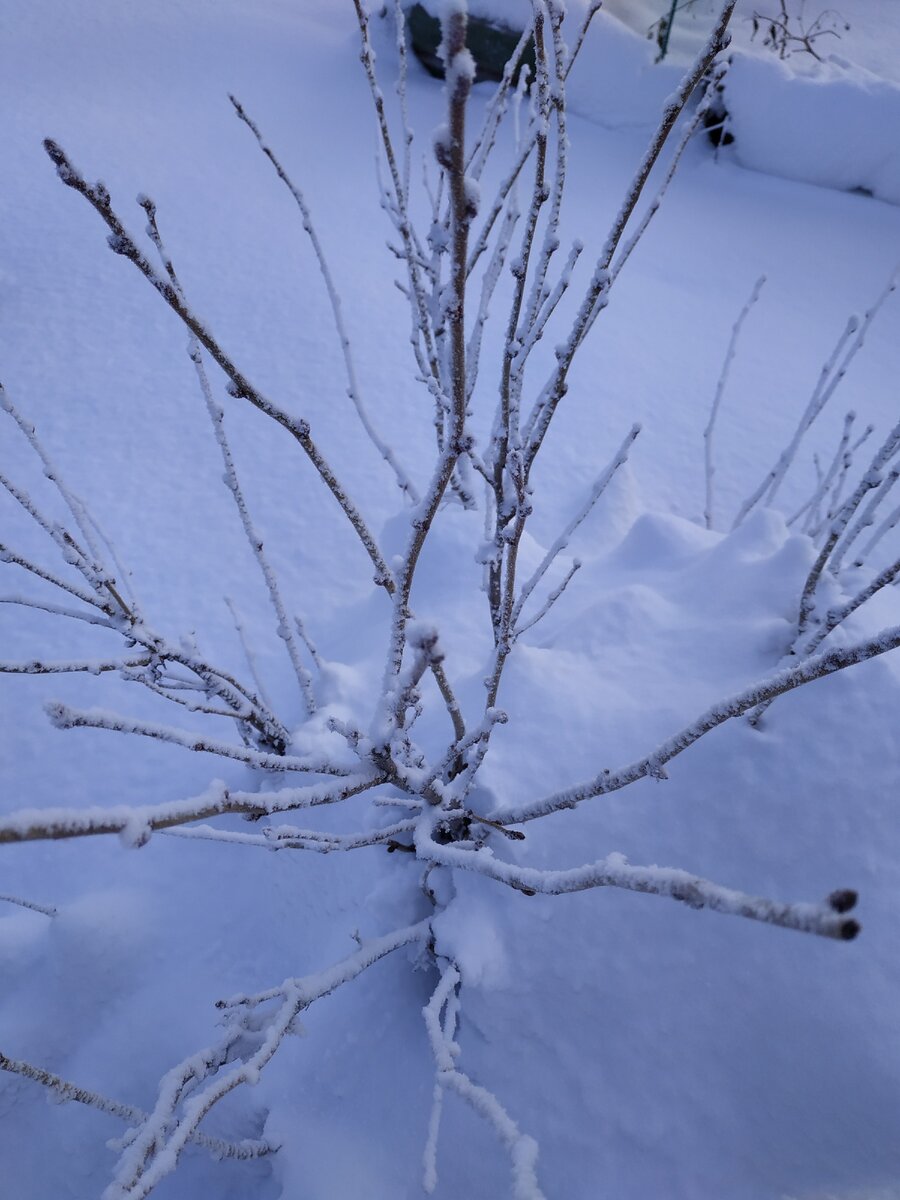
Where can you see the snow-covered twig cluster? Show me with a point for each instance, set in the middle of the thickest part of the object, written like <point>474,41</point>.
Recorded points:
<point>451,275</point>
<point>833,523</point>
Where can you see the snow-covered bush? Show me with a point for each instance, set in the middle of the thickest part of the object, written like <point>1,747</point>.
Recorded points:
<point>410,748</point>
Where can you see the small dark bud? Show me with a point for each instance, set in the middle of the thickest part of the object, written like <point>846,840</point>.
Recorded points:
<point>843,900</point>
<point>56,155</point>
<point>118,244</point>
<point>849,930</point>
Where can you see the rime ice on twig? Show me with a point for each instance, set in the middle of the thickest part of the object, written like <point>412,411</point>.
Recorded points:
<point>128,1112</point>
<point>47,909</point>
<point>599,487</point>
<point>871,479</point>
<point>522,1149</point>
<point>121,242</point>
<point>217,419</point>
<point>136,823</point>
<point>353,389</point>
<point>249,655</point>
<point>831,375</point>
<point>64,717</point>
<point>825,920</point>
<point>717,400</point>
<point>192,1088</point>
<point>837,659</point>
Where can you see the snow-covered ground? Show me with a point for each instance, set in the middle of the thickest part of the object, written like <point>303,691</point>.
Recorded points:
<point>652,1051</point>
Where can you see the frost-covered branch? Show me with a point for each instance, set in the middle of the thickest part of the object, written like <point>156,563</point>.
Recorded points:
<point>652,765</point>
<point>522,1149</point>
<point>64,717</point>
<point>121,242</point>
<point>192,1088</point>
<point>596,296</point>
<point>353,388</point>
<point>873,478</point>
<point>599,487</point>
<point>67,1091</point>
<point>828,919</point>
<point>137,822</point>
<point>830,377</point>
<point>717,399</point>
<point>286,837</point>
<point>90,666</point>
<point>46,909</point>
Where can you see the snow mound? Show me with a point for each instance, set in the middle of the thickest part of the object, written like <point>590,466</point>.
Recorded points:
<point>835,126</point>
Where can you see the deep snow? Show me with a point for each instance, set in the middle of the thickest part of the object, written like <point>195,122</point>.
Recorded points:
<point>652,1051</point>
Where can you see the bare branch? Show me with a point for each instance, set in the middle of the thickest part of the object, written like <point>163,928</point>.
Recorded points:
<point>64,717</point>
<point>353,389</point>
<point>717,400</point>
<point>47,910</point>
<point>121,242</point>
<point>136,823</point>
<point>128,1112</point>
<point>836,659</point>
<point>831,375</point>
<point>828,919</point>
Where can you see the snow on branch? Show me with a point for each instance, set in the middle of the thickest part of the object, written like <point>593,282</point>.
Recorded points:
<point>522,1149</point>
<point>46,909</point>
<point>830,377</point>
<point>67,1091</point>
<point>136,823</point>
<point>872,478</point>
<point>717,399</point>
<point>287,837</point>
<point>837,659</point>
<point>828,919</point>
<point>192,1088</point>
<point>598,488</point>
<point>121,242</point>
<point>64,717</point>
<point>353,388</point>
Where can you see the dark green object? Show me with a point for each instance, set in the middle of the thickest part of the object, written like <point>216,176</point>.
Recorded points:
<point>665,30</point>
<point>491,45</point>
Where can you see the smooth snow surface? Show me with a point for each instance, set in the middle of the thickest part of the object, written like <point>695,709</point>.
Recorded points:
<point>651,1051</point>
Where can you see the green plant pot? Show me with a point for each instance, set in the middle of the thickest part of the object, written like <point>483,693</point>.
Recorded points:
<point>491,45</point>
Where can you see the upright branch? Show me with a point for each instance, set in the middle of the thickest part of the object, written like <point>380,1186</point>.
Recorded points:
<point>353,388</point>
<point>873,478</point>
<point>717,399</point>
<point>460,74</point>
<point>835,368</point>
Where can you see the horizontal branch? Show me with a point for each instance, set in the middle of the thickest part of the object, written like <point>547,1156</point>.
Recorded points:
<point>137,823</point>
<point>91,666</point>
<point>286,838</point>
<point>828,919</point>
<point>64,717</point>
